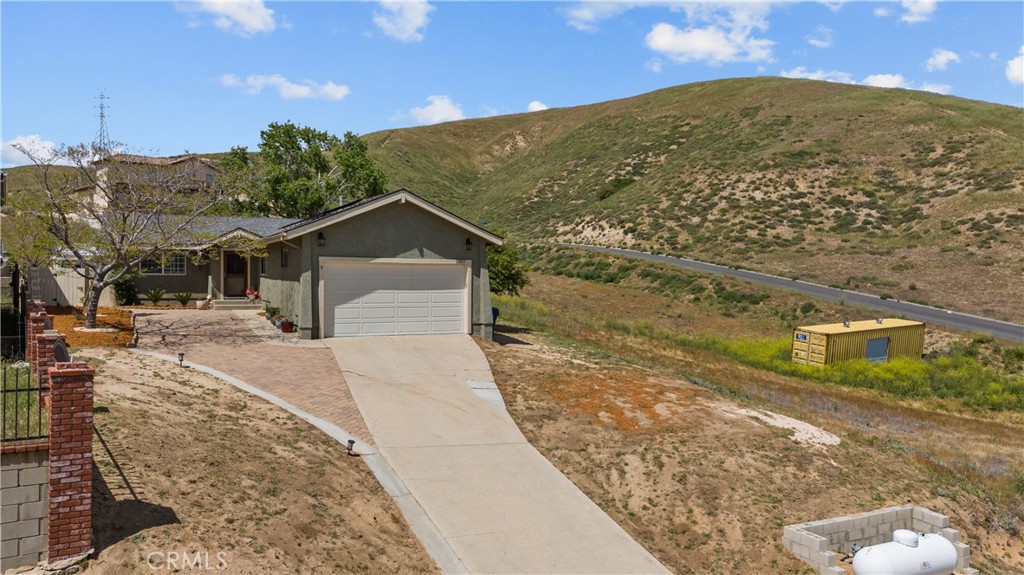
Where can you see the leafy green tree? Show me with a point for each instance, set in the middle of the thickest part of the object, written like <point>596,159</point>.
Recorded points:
<point>301,172</point>
<point>506,271</point>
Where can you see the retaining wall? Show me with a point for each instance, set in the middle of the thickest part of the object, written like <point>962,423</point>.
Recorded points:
<point>24,507</point>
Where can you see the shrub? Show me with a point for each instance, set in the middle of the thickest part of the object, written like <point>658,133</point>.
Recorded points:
<point>183,298</point>
<point>807,307</point>
<point>154,295</point>
<point>125,292</point>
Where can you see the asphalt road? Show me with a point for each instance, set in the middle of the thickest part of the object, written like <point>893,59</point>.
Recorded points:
<point>930,315</point>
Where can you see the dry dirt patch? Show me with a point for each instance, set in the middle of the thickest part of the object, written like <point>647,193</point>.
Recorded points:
<point>188,464</point>
<point>703,488</point>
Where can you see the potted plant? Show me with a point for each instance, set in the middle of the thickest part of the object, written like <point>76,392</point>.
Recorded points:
<point>287,325</point>
<point>252,295</point>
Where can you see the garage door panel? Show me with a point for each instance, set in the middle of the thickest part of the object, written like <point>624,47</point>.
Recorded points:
<point>446,312</point>
<point>385,298</point>
<point>380,297</point>
<point>347,313</point>
<point>414,312</point>
<point>414,297</point>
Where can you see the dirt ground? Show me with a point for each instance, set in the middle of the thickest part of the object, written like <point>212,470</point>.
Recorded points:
<point>188,465</point>
<point>706,481</point>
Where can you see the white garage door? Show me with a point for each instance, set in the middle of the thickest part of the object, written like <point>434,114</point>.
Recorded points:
<point>393,298</point>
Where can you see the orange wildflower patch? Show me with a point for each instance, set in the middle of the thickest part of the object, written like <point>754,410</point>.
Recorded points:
<point>624,400</point>
<point>66,319</point>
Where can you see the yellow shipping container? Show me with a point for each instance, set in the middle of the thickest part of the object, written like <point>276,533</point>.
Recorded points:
<point>875,340</point>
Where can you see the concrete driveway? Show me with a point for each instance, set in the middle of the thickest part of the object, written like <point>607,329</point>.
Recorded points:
<point>433,411</point>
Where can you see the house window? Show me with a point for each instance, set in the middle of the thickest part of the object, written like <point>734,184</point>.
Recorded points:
<point>284,257</point>
<point>209,178</point>
<point>169,265</point>
<point>263,266</point>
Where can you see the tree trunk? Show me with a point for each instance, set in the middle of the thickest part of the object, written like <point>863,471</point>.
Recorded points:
<point>93,302</point>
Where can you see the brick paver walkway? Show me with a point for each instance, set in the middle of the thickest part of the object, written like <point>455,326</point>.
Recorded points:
<point>302,373</point>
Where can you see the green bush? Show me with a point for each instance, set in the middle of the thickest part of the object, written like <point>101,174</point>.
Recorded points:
<point>154,295</point>
<point>183,298</point>
<point>125,292</point>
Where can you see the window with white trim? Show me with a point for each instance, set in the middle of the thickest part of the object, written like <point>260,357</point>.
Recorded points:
<point>169,265</point>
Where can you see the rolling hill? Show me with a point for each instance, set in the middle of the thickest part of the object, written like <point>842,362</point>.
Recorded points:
<point>909,194</point>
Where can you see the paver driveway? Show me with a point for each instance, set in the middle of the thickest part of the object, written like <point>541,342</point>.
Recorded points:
<point>303,373</point>
<point>432,408</point>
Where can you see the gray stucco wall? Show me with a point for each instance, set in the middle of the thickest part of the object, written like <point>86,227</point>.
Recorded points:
<point>280,287</point>
<point>392,231</point>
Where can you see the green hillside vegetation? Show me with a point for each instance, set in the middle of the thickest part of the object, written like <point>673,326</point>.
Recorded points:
<point>912,194</point>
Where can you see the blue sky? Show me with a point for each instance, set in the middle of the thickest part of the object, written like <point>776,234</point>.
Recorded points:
<point>205,76</point>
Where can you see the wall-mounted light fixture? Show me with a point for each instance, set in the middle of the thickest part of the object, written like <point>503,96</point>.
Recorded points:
<point>321,240</point>
<point>469,245</point>
<point>181,359</point>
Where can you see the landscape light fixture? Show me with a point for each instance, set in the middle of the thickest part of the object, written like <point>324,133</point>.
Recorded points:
<point>351,444</point>
<point>181,359</point>
<point>469,245</point>
<point>321,240</point>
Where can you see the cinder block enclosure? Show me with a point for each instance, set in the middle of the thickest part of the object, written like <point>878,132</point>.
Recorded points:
<point>875,340</point>
<point>818,543</point>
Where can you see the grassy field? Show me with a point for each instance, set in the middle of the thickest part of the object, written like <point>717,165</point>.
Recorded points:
<point>654,431</point>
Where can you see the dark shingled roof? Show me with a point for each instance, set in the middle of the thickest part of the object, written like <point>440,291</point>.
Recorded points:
<point>262,227</point>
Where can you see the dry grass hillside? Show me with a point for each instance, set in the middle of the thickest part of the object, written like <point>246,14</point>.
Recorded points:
<point>890,191</point>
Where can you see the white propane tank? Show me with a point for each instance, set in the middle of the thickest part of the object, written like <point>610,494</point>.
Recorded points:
<point>907,554</point>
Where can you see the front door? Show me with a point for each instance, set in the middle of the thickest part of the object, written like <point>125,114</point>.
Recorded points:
<point>236,276</point>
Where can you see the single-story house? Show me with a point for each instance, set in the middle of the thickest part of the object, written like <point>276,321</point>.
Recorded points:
<point>389,265</point>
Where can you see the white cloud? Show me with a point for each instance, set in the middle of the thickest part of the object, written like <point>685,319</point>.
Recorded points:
<point>34,144</point>
<point>886,81</point>
<point>940,59</point>
<point>916,11</point>
<point>937,88</point>
<point>882,12</point>
<point>584,16</point>
<point>241,17</point>
<point>822,37</point>
<point>654,65</point>
<point>828,76</point>
<point>403,20</point>
<point>1015,69</point>
<point>728,37</point>
<point>876,80</point>
<point>536,106</point>
<point>307,90</point>
<point>439,109</point>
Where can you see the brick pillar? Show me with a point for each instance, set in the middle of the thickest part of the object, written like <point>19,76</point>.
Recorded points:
<point>45,340</point>
<point>36,324</point>
<point>70,461</point>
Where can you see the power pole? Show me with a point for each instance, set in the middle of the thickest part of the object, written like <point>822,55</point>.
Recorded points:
<point>102,137</point>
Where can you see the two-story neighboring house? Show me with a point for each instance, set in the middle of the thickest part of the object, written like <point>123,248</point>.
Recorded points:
<point>186,169</point>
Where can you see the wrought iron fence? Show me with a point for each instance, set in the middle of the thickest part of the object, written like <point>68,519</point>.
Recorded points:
<point>23,413</point>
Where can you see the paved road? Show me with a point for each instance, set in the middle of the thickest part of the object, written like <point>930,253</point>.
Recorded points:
<point>951,319</point>
<point>439,421</point>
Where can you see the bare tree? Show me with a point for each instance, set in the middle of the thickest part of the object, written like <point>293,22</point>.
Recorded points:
<point>111,212</point>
